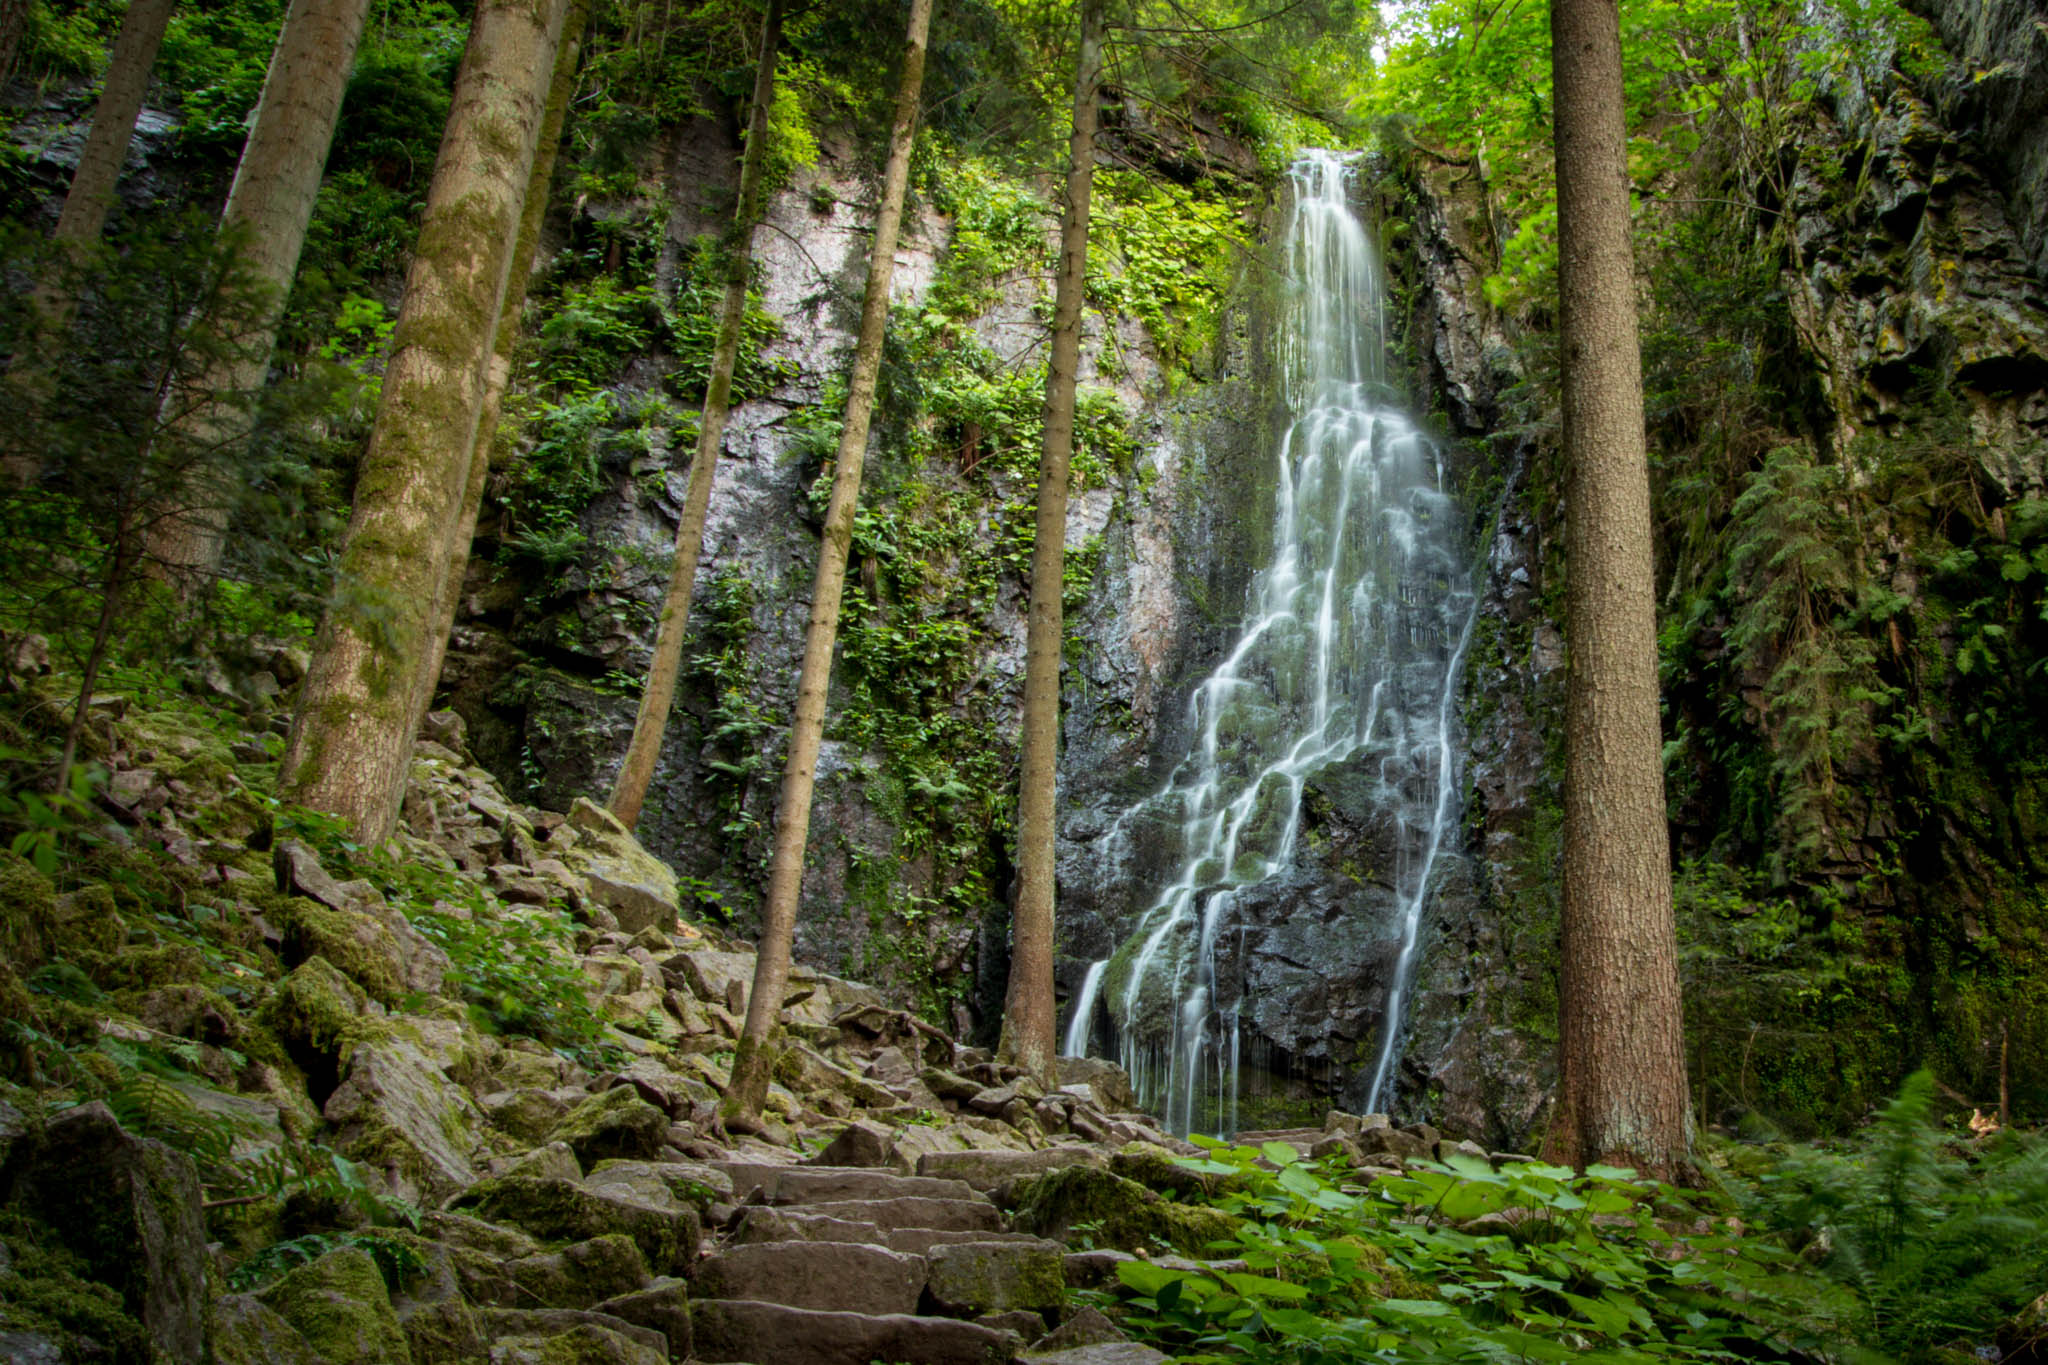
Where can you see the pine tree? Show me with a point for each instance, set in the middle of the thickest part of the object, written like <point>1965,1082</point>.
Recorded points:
<point>629,792</point>
<point>351,742</point>
<point>754,1061</point>
<point>1030,1016</point>
<point>1622,1057</point>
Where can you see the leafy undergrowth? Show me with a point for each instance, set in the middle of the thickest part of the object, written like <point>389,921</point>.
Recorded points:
<point>1904,1246</point>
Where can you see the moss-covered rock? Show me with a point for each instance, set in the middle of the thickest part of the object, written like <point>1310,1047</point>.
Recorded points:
<point>243,1330</point>
<point>128,1208</point>
<point>586,1343</point>
<point>562,1211</point>
<point>399,1115</point>
<point>360,946</point>
<point>26,898</point>
<point>579,1275</point>
<point>617,1123</point>
<point>1116,1212</point>
<point>971,1278</point>
<point>1157,1168</point>
<point>48,1293</point>
<point>340,1305</point>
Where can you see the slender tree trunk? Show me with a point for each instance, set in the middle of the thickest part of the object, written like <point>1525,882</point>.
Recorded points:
<point>499,376</point>
<point>13,23</point>
<point>268,210</point>
<point>637,770</point>
<point>754,1062</point>
<point>1622,1053</point>
<point>113,122</point>
<point>351,742</point>
<point>1029,1015</point>
<point>86,203</point>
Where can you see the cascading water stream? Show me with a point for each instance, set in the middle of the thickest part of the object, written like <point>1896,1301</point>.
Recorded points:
<point>1350,654</point>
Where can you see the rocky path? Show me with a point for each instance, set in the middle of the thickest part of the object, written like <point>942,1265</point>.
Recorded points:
<point>171,1176</point>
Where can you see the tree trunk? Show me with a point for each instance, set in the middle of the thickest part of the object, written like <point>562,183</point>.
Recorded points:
<point>1029,1016</point>
<point>13,23</point>
<point>499,375</point>
<point>113,122</point>
<point>351,742</point>
<point>1622,1056</point>
<point>267,213</point>
<point>637,770</point>
<point>84,214</point>
<point>755,1060</point>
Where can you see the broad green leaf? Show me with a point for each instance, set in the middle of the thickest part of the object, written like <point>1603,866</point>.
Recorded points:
<point>1280,1153</point>
<point>1262,1287</point>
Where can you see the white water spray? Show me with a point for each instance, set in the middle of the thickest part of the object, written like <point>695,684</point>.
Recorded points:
<point>1350,654</point>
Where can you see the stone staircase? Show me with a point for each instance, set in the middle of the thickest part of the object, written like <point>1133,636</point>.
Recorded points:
<point>844,1265</point>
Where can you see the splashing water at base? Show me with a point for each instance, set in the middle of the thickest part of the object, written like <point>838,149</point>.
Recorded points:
<point>1350,654</point>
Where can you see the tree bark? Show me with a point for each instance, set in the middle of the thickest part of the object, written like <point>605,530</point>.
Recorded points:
<point>86,202</point>
<point>113,122</point>
<point>754,1061</point>
<point>1622,1085</point>
<point>13,23</point>
<point>498,377</point>
<point>636,772</point>
<point>268,210</point>
<point>351,742</point>
<point>1029,1039</point>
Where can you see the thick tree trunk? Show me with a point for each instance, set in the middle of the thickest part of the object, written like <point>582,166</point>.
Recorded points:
<point>499,376</point>
<point>636,772</point>
<point>351,742</point>
<point>1030,1018</point>
<point>1622,1054</point>
<point>755,1060</point>
<point>267,213</point>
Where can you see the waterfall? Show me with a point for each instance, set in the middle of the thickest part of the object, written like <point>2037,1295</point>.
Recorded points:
<point>1350,655</point>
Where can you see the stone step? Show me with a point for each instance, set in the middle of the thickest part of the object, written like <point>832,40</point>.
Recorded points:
<point>940,1215</point>
<point>921,1241</point>
<point>727,1330</point>
<point>832,1277</point>
<point>763,1223</point>
<point>985,1170</point>
<point>1302,1138</point>
<point>818,1184</point>
<point>544,1323</point>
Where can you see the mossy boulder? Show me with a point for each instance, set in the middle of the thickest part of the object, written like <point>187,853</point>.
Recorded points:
<point>128,1209</point>
<point>585,1343</point>
<point>340,1305</point>
<point>359,945</point>
<point>1116,1212</point>
<point>243,1330</point>
<point>48,1294</point>
<point>1157,1168</point>
<point>315,1012</point>
<point>26,904</point>
<point>563,1211</point>
<point>399,1115</point>
<point>615,1124</point>
<point>579,1275</point>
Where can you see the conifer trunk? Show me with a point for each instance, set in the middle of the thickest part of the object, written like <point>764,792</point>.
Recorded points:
<point>86,203</point>
<point>1622,1084</point>
<point>113,124</point>
<point>636,772</point>
<point>268,210</point>
<point>351,742</point>
<point>754,1061</point>
<point>1030,1018</point>
<point>499,375</point>
<point>13,23</point>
